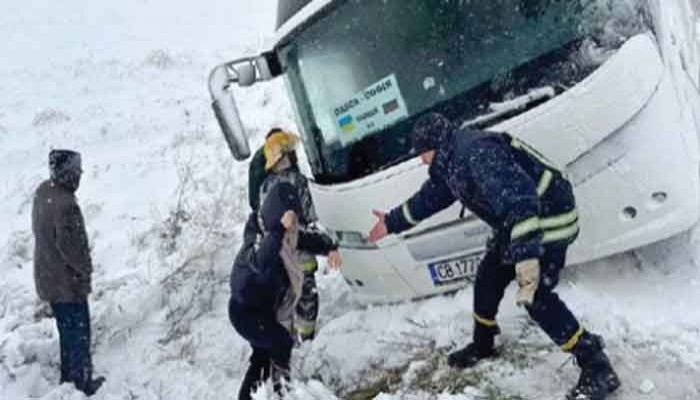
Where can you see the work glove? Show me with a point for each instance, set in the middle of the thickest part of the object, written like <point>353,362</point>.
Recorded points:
<point>527,273</point>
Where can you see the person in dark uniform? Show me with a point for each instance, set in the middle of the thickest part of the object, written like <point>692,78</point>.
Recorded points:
<point>530,206</point>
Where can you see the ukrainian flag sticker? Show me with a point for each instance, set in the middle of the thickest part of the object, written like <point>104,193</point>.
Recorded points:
<point>346,124</point>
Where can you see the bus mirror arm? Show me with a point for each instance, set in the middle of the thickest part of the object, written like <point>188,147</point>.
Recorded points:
<point>226,111</point>
<point>268,66</point>
<point>245,72</point>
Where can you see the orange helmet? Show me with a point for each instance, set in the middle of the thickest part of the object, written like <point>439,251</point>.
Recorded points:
<point>277,145</point>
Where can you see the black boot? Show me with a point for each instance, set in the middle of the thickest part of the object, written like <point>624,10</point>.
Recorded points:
<point>482,347</point>
<point>257,373</point>
<point>64,377</point>
<point>93,385</point>
<point>280,377</point>
<point>598,379</point>
<point>84,380</point>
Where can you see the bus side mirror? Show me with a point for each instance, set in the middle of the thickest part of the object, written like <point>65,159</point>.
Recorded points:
<point>226,111</point>
<point>244,72</point>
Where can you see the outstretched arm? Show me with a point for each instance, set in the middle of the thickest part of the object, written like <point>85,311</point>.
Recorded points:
<point>432,197</point>
<point>316,242</point>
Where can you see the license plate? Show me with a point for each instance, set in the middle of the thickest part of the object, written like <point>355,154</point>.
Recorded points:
<point>453,270</point>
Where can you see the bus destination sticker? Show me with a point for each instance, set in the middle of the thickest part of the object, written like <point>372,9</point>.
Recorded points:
<point>375,107</point>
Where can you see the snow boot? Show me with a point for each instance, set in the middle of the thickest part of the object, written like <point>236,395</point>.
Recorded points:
<point>597,379</point>
<point>280,378</point>
<point>258,372</point>
<point>482,347</point>
<point>93,385</point>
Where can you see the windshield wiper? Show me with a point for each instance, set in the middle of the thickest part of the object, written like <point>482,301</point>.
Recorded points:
<point>507,109</point>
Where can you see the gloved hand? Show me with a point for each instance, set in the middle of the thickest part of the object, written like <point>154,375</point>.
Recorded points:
<point>527,273</point>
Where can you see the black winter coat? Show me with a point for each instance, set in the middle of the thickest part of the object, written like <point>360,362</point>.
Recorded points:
<point>62,262</point>
<point>259,279</point>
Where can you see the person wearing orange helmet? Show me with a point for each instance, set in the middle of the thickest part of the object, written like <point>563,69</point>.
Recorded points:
<point>282,166</point>
<point>279,160</point>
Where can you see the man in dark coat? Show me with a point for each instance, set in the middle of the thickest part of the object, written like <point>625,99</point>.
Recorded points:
<point>265,286</point>
<point>63,267</point>
<point>530,206</point>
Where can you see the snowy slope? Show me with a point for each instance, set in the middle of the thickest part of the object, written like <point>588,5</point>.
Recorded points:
<point>125,84</point>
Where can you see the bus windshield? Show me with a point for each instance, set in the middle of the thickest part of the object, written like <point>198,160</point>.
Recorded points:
<point>363,71</point>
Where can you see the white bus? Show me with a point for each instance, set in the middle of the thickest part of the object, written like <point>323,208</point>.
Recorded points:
<point>585,84</point>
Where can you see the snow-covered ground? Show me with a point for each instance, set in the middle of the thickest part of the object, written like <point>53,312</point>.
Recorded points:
<point>125,84</point>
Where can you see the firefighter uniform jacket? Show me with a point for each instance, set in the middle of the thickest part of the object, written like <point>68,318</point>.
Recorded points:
<point>521,195</point>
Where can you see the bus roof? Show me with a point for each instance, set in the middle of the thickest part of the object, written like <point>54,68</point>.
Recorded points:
<point>292,14</point>
<point>287,8</point>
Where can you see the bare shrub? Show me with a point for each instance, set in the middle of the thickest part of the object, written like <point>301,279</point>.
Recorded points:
<point>203,222</point>
<point>50,116</point>
<point>19,248</point>
<point>160,59</point>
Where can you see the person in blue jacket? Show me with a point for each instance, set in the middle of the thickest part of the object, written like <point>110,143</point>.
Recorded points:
<point>266,285</point>
<point>530,206</point>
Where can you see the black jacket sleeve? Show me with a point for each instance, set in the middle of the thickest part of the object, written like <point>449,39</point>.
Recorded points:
<point>251,230</point>
<point>316,242</point>
<point>307,204</point>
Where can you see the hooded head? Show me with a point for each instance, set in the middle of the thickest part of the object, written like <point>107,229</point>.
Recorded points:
<point>281,198</point>
<point>66,168</point>
<point>278,145</point>
<point>430,131</point>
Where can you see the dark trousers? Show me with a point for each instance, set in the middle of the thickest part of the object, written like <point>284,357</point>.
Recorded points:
<point>548,310</point>
<point>73,322</point>
<point>257,373</point>
<point>271,343</point>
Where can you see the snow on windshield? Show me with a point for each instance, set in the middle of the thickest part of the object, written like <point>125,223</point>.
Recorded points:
<point>612,22</point>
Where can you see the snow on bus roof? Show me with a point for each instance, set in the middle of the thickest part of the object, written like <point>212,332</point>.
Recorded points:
<point>292,13</point>
<point>286,9</point>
